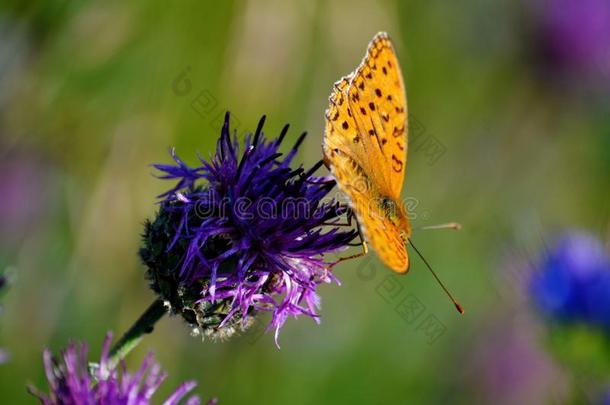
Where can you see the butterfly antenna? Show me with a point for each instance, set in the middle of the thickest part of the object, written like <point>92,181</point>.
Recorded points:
<point>450,225</point>
<point>457,304</point>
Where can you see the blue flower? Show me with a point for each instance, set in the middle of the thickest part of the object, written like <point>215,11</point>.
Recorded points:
<point>241,233</point>
<point>573,284</point>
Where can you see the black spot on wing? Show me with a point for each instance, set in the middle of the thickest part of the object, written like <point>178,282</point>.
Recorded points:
<point>397,164</point>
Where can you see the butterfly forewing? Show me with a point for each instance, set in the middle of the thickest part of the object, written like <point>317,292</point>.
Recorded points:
<point>377,95</point>
<point>365,146</point>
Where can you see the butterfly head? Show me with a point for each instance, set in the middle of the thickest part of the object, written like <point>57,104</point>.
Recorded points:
<point>397,214</point>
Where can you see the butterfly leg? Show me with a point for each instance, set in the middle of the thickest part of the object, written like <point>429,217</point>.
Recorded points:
<point>365,247</point>
<point>337,222</point>
<point>346,224</point>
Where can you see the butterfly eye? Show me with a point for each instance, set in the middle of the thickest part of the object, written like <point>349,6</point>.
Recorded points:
<point>389,207</point>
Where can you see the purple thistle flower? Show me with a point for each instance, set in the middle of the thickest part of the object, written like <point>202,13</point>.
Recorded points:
<point>243,233</point>
<point>72,380</point>
<point>573,284</point>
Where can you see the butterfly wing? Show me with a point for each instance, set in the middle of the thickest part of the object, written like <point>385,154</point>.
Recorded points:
<point>383,235</point>
<point>377,96</point>
<point>356,155</point>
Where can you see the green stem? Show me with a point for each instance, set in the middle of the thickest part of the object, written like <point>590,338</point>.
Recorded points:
<point>144,325</point>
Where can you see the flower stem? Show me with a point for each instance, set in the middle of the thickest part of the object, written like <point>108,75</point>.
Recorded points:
<point>144,325</point>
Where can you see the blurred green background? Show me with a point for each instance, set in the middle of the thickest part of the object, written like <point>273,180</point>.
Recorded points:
<point>88,101</point>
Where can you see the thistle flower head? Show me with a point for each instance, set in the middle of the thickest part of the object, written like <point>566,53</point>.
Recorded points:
<point>573,284</point>
<point>72,380</point>
<point>242,233</point>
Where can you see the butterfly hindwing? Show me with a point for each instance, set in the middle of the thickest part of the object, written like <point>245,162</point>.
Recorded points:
<point>367,203</point>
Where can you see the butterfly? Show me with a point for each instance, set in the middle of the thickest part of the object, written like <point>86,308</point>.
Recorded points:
<point>365,147</point>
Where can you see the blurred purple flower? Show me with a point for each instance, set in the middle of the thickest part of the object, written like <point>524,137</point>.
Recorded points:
<point>573,284</point>
<point>242,233</point>
<point>26,189</point>
<point>72,380</point>
<point>505,363</point>
<point>574,37</point>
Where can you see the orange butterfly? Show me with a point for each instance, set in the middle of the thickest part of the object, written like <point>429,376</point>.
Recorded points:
<point>365,147</point>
